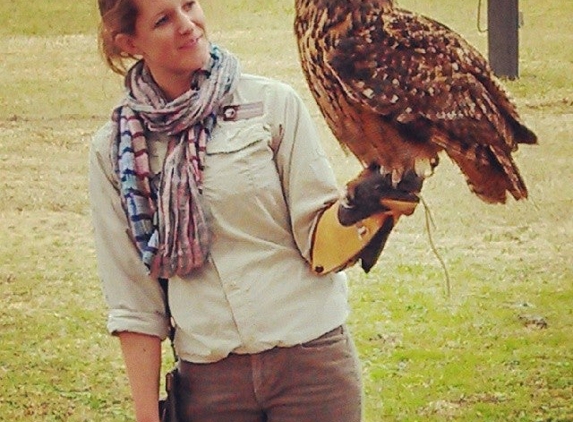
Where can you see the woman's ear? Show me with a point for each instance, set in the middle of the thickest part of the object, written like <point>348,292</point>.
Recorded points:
<point>126,44</point>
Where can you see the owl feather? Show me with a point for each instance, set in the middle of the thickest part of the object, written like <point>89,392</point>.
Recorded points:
<point>397,88</point>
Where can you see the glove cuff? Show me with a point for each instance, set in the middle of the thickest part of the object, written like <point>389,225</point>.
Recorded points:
<point>335,246</point>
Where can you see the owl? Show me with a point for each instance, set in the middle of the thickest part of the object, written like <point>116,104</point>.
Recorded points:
<point>397,89</point>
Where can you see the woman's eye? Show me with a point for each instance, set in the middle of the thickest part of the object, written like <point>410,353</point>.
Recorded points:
<point>188,5</point>
<point>162,20</point>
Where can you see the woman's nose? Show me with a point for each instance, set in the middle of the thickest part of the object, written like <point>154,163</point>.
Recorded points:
<point>186,24</point>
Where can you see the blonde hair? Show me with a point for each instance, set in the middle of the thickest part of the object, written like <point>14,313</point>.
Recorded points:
<point>117,17</point>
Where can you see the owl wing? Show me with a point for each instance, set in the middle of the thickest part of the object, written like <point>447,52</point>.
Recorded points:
<point>414,70</point>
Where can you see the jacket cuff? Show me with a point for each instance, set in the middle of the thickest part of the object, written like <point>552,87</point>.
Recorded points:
<point>152,324</point>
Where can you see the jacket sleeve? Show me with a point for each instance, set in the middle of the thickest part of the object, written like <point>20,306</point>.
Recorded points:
<point>135,300</point>
<point>309,183</point>
<point>312,195</point>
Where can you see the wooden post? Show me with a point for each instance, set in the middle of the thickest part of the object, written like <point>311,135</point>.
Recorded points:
<point>503,38</point>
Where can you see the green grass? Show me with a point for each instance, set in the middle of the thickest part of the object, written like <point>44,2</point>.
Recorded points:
<point>475,356</point>
<point>49,17</point>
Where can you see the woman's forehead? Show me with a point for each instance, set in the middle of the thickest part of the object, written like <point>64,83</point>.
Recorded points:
<point>152,7</point>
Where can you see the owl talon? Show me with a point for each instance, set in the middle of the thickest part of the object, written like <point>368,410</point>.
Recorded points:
<point>425,167</point>
<point>396,177</point>
<point>374,192</point>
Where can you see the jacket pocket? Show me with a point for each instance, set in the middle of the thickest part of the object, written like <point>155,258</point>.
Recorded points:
<point>240,161</point>
<point>231,137</point>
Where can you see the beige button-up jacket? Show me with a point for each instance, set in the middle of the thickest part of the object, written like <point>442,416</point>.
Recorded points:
<point>266,181</point>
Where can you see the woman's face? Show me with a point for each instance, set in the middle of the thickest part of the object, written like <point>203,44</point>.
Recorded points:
<point>170,37</point>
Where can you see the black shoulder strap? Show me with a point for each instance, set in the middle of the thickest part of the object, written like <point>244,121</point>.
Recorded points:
<point>164,283</point>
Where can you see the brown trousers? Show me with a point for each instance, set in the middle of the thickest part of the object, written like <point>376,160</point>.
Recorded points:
<point>318,381</point>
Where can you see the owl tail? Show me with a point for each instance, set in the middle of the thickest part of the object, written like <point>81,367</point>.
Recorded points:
<point>522,134</point>
<point>491,173</point>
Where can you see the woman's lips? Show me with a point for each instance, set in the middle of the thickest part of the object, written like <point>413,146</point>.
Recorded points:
<point>191,43</point>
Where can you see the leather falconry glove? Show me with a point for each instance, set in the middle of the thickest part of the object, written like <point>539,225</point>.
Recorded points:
<point>357,226</point>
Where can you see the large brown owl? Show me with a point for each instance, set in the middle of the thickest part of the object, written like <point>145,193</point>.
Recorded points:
<point>396,88</point>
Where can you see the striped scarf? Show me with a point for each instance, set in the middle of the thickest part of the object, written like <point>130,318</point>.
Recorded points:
<point>169,224</point>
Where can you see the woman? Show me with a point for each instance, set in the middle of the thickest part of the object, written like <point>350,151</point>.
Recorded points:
<point>216,181</point>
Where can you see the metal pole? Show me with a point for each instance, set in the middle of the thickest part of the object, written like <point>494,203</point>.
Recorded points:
<point>503,38</point>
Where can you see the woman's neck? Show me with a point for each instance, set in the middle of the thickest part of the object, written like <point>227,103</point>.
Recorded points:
<point>173,86</point>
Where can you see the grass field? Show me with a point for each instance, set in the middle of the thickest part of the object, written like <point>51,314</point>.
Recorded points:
<point>500,348</point>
